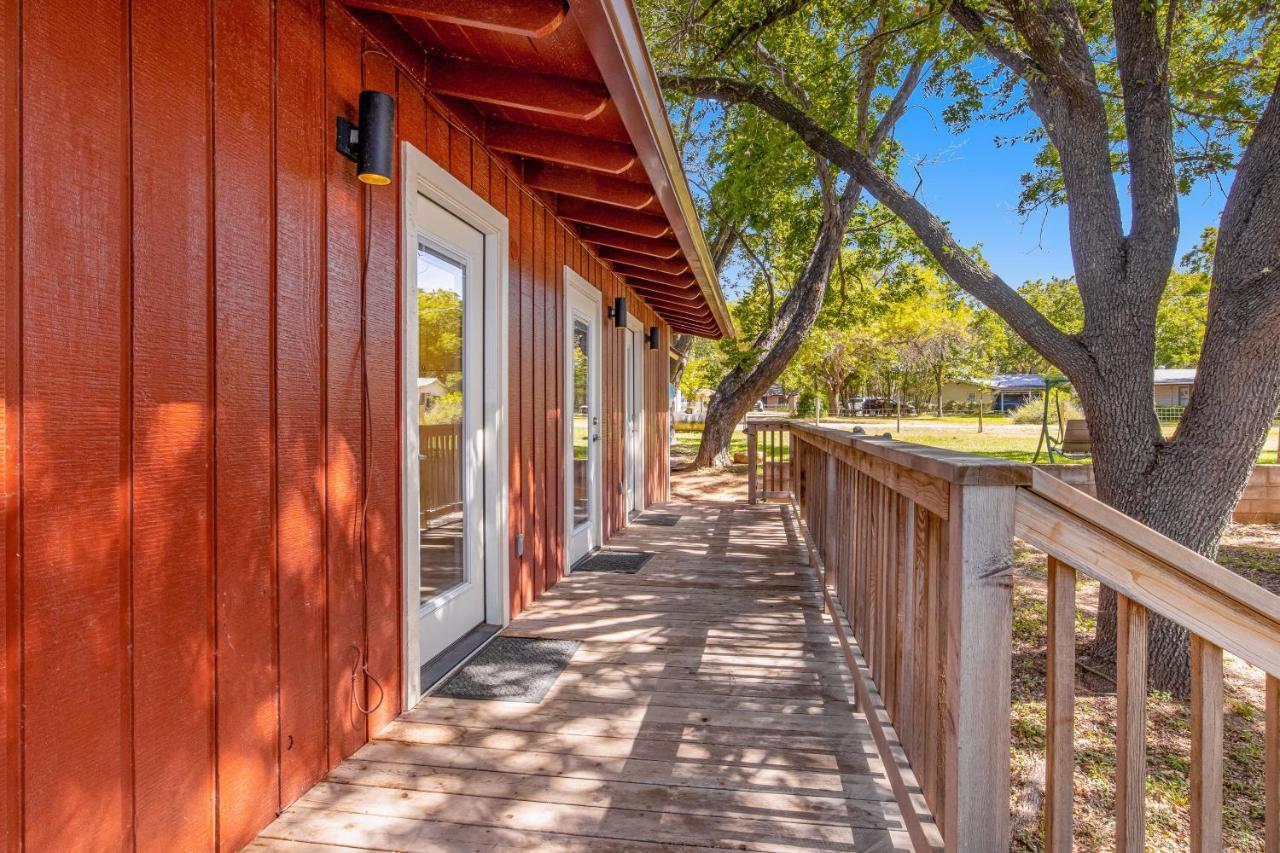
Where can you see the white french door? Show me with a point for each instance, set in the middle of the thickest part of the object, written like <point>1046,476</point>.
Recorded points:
<point>634,417</point>
<point>449,348</point>
<point>582,426</point>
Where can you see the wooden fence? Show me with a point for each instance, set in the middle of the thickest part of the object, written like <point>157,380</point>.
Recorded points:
<point>915,547</point>
<point>440,471</point>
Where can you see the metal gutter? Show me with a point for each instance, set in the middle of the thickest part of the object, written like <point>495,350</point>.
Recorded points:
<point>616,42</point>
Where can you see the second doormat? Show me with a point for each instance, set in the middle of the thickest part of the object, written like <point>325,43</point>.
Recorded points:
<point>622,562</point>
<point>659,519</point>
<point>511,669</point>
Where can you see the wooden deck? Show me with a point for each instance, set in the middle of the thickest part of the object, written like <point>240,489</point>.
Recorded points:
<point>708,707</point>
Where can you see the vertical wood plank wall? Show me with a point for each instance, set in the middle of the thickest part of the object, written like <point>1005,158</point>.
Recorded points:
<point>185,449</point>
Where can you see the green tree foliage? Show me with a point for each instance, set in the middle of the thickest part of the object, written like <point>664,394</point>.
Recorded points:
<point>440,354</point>
<point>1180,322</point>
<point>704,366</point>
<point>440,335</point>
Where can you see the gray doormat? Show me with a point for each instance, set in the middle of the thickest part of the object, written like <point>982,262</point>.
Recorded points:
<point>622,562</point>
<point>659,519</point>
<point>511,669</point>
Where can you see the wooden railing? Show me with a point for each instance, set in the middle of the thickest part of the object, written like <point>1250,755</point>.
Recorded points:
<point>915,547</point>
<point>768,460</point>
<point>439,486</point>
<point>1149,574</point>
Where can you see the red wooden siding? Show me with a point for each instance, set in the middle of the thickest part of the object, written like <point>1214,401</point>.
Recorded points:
<point>244,568</point>
<point>189,446</point>
<point>172,431</point>
<point>300,423</point>
<point>10,443</point>
<point>76,300</point>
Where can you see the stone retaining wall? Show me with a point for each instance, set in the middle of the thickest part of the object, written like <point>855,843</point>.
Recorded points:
<point>1260,503</point>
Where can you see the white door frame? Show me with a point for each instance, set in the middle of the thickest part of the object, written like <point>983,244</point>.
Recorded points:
<point>635,444</point>
<point>423,175</point>
<point>577,285</point>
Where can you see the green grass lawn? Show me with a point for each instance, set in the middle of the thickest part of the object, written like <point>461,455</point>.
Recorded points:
<point>1000,438</point>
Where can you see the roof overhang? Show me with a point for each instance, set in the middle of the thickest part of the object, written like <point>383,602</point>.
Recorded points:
<point>565,95</point>
<point>617,43</point>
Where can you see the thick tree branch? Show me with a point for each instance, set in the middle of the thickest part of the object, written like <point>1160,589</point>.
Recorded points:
<point>1063,92</point>
<point>1143,63</point>
<point>1246,270</point>
<point>1018,62</point>
<point>975,278</point>
<point>897,107</point>
<point>825,179</point>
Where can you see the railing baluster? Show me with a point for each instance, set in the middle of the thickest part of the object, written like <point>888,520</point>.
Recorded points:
<point>1272,772</point>
<point>1131,724</point>
<point>1060,696</point>
<point>1206,746</point>
<point>751,464</point>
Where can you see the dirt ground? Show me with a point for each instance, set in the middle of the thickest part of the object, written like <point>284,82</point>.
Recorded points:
<point>709,484</point>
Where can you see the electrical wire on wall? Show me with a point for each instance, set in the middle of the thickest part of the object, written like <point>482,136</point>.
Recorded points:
<point>361,663</point>
<point>375,137</point>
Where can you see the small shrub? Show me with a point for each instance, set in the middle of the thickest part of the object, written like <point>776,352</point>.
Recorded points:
<point>805,405</point>
<point>1032,411</point>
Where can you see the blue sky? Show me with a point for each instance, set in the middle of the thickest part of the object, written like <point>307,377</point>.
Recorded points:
<point>973,184</point>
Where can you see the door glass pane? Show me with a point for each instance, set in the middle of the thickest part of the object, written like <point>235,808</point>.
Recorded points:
<point>441,285</point>
<point>581,422</point>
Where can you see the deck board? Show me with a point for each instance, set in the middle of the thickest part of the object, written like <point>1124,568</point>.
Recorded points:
<point>708,707</point>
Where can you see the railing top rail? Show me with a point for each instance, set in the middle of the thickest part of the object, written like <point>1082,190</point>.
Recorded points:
<point>949,465</point>
<point>773,423</point>
<point>1152,569</point>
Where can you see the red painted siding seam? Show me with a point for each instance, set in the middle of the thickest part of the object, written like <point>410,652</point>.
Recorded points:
<point>323,287</point>
<point>11,99</point>
<point>273,442</point>
<point>211,286</point>
<point>129,782</point>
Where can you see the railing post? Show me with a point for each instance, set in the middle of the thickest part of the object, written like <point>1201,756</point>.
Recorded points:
<point>752,464</point>
<point>980,619</point>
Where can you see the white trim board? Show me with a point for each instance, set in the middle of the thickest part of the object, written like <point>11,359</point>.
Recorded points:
<point>640,346</point>
<point>576,284</point>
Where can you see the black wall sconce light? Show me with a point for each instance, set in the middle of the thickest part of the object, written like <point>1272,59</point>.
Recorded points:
<point>619,312</point>
<point>372,144</point>
<point>653,337</point>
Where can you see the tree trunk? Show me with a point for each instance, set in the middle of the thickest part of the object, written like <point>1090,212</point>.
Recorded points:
<point>740,388</point>
<point>683,344</point>
<point>1185,488</point>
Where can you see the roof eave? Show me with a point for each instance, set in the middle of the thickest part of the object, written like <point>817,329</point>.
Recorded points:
<point>616,43</point>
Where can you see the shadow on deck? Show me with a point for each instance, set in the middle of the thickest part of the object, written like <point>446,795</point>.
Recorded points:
<point>709,706</point>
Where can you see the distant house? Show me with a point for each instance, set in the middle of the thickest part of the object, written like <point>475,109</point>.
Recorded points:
<point>965,393</point>
<point>1003,391</point>
<point>1173,387</point>
<point>430,386</point>
<point>779,400</point>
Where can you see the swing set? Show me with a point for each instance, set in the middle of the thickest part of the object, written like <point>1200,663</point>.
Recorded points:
<point>1072,440</point>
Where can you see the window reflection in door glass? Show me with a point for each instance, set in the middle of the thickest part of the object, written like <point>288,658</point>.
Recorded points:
<point>441,285</point>
<point>581,422</point>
